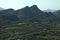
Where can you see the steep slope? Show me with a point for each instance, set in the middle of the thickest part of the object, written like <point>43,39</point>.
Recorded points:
<point>57,13</point>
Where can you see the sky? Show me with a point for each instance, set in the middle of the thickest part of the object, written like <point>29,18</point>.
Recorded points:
<point>42,4</point>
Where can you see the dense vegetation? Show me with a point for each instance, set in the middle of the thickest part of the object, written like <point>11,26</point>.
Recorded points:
<point>29,23</point>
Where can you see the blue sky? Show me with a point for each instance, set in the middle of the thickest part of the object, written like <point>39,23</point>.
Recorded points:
<point>42,4</point>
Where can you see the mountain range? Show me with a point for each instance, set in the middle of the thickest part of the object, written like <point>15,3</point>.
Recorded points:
<point>29,23</point>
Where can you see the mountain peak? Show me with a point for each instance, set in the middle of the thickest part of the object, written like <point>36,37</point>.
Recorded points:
<point>27,7</point>
<point>34,7</point>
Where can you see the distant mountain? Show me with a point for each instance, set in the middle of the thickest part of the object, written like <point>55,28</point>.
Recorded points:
<point>49,10</point>
<point>1,8</point>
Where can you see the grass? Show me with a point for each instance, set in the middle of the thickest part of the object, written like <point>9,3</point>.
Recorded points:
<point>12,28</point>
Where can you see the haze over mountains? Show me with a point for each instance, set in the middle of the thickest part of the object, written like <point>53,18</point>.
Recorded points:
<point>1,8</point>
<point>49,10</point>
<point>29,23</point>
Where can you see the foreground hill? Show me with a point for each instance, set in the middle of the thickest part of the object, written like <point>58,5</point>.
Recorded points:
<point>29,23</point>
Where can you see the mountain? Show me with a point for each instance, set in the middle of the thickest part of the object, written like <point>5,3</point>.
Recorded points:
<point>1,8</point>
<point>49,10</point>
<point>29,23</point>
<point>7,17</point>
<point>57,13</point>
<point>33,13</point>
